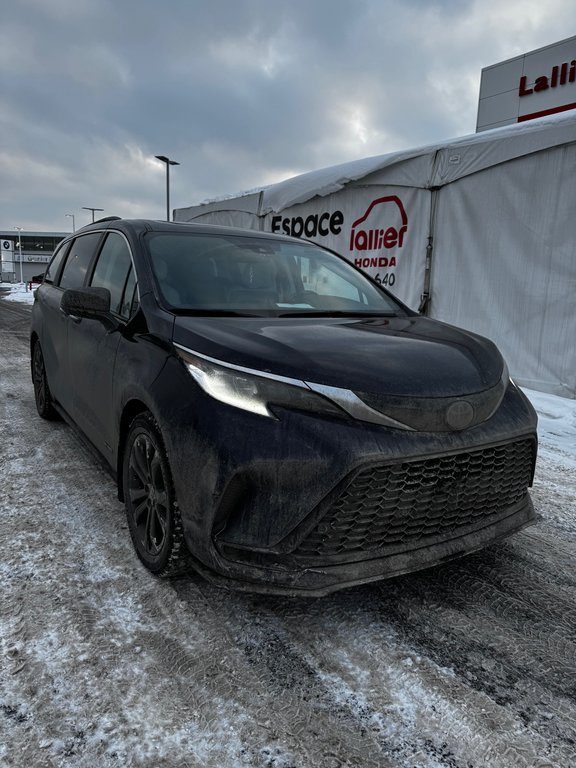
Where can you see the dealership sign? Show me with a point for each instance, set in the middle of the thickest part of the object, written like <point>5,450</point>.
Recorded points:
<point>369,234</point>
<point>370,231</point>
<point>535,84</point>
<point>312,226</point>
<point>7,256</point>
<point>560,75</point>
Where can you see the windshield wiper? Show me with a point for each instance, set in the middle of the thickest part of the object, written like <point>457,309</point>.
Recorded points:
<point>183,312</point>
<point>338,313</point>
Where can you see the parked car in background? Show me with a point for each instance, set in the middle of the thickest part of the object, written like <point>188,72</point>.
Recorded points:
<point>274,419</point>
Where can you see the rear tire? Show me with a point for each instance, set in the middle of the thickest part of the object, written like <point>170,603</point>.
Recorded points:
<point>152,511</point>
<point>42,394</point>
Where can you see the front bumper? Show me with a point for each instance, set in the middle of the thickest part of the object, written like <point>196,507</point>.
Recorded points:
<point>302,580</point>
<point>258,496</point>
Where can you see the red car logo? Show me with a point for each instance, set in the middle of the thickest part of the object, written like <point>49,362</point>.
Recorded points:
<point>375,239</point>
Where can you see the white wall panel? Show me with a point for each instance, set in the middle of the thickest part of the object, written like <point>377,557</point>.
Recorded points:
<point>505,264</point>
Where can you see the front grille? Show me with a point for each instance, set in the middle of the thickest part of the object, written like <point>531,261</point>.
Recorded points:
<point>400,505</point>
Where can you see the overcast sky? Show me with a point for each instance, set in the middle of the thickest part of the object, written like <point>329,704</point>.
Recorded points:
<point>240,92</point>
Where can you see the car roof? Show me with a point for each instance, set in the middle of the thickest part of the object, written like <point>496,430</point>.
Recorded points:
<point>140,226</point>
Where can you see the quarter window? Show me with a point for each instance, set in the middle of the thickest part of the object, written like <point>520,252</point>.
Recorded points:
<point>55,262</point>
<point>78,260</point>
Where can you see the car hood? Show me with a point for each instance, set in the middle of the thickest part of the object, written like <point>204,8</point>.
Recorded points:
<point>404,356</point>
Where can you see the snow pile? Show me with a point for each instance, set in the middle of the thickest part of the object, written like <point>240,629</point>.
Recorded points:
<point>17,292</point>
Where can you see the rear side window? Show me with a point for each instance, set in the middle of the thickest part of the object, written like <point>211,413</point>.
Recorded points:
<point>78,260</point>
<point>112,270</point>
<point>54,265</point>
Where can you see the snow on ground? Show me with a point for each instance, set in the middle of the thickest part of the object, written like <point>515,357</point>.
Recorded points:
<point>556,426</point>
<point>17,292</point>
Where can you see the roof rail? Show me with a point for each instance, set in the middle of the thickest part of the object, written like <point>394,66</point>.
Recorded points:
<point>107,218</point>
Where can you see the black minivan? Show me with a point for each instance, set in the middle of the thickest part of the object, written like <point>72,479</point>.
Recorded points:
<point>276,420</point>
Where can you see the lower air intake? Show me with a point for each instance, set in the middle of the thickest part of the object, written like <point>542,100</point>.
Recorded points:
<point>400,505</point>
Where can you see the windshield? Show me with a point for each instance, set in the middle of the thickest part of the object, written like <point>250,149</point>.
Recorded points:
<point>201,273</point>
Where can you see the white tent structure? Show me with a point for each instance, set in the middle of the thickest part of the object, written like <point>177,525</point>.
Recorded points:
<point>479,232</point>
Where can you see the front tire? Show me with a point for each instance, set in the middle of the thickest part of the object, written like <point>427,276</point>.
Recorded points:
<point>42,394</point>
<point>152,511</point>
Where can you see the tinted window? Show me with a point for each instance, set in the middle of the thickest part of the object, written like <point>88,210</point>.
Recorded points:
<point>112,268</point>
<point>78,260</point>
<point>54,265</point>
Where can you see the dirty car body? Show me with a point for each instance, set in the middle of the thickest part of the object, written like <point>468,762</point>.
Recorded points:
<point>276,420</point>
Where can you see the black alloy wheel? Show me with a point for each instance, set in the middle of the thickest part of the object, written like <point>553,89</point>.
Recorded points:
<point>42,394</point>
<point>152,511</point>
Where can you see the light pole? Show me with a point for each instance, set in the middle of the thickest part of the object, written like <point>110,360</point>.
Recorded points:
<point>87,208</point>
<point>20,249</point>
<point>71,216</point>
<point>168,162</point>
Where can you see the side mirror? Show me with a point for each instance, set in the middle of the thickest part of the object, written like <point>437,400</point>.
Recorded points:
<point>86,302</point>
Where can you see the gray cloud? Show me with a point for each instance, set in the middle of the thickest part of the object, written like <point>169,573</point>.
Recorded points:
<point>240,92</point>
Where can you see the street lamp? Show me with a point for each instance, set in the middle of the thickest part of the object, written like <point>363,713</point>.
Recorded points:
<point>20,249</point>
<point>168,164</point>
<point>87,208</point>
<point>71,216</point>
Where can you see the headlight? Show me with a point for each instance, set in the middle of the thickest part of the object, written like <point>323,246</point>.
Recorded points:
<point>253,391</point>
